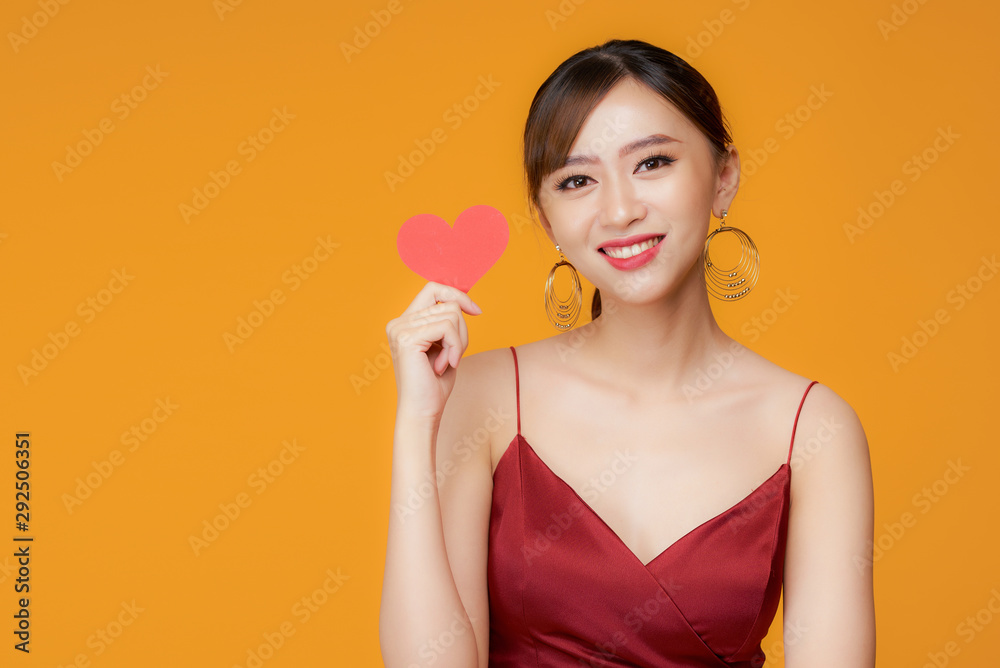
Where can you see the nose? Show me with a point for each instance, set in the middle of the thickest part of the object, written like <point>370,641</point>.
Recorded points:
<point>619,204</point>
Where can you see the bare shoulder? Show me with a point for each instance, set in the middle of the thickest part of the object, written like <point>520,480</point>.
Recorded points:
<point>480,413</point>
<point>487,366</point>
<point>828,415</point>
<point>773,384</point>
<point>827,430</point>
<point>823,418</point>
<point>483,379</point>
<point>830,456</point>
<point>818,402</point>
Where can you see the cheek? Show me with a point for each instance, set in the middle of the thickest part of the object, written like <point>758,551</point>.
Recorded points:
<point>685,207</point>
<point>564,232</point>
<point>571,217</point>
<point>685,191</point>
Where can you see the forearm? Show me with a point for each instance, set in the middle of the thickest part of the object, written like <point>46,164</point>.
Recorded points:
<point>420,601</point>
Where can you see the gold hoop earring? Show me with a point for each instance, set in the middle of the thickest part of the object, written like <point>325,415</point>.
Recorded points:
<point>735,283</point>
<point>563,313</point>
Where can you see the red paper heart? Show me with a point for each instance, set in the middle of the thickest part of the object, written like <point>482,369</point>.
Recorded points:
<point>457,256</point>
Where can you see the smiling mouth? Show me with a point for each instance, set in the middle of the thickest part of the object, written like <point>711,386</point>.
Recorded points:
<point>625,252</point>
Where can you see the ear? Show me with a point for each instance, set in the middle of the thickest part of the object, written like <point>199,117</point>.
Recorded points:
<point>727,182</point>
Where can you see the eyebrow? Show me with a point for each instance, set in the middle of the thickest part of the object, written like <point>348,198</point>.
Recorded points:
<point>632,147</point>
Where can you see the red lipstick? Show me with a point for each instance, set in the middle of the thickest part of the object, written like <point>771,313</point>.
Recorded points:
<point>636,257</point>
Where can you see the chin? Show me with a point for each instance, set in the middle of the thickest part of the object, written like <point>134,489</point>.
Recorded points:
<point>648,290</point>
<point>635,295</point>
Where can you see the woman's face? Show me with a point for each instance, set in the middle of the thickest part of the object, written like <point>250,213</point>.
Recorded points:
<point>641,172</point>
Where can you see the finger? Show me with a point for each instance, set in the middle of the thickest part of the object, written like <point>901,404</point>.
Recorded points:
<point>442,362</point>
<point>427,316</point>
<point>446,312</point>
<point>450,342</point>
<point>439,354</point>
<point>443,332</point>
<point>449,309</point>
<point>433,293</point>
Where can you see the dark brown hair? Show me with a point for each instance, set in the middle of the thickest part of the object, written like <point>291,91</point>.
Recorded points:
<point>563,102</point>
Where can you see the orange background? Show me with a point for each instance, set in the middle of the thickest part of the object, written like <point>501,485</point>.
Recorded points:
<point>322,176</point>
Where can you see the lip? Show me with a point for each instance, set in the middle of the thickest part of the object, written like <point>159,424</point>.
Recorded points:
<point>628,241</point>
<point>636,261</point>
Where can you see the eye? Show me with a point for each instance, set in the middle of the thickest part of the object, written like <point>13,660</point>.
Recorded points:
<point>573,182</point>
<point>654,161</point>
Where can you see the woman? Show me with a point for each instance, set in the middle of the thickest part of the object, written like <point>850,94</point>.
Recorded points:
<point>622,494</point>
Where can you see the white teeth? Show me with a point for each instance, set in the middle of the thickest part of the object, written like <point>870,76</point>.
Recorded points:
<point>625,252</point>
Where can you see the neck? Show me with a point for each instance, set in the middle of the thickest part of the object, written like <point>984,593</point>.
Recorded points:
<point>667,341</point>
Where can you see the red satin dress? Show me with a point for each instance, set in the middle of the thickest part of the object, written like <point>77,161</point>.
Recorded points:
<point>564,590</point>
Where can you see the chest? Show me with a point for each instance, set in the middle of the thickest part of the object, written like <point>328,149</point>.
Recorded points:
<point>557,571</point>
<point>650,478</point>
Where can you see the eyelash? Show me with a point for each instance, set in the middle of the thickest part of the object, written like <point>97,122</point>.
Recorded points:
<point>562,185</point>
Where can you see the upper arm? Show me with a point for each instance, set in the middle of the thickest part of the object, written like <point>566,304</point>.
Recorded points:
<point>829,612</point>
<point>465,487</point>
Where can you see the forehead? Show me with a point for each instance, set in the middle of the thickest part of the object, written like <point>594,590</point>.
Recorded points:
<point>629,111</point>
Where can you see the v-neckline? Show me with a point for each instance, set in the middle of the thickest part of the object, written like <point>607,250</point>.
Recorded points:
<point>611,531</point>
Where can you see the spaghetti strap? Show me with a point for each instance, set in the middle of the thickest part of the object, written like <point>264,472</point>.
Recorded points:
<point>517,390</point>
<point>796,423</point>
